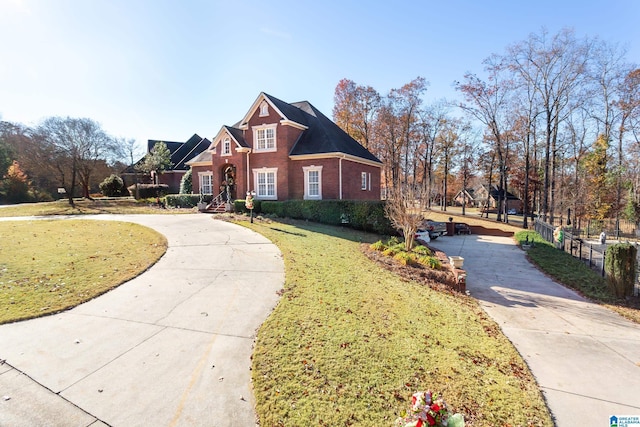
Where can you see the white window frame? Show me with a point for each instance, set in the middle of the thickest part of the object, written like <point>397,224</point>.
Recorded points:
<point>307,182</point>
<point>202,177</point>
<point>266,147</point>
<point>264,109</point>
<point>226,147</point>
<point>363,181</point>
<point>261,189</point>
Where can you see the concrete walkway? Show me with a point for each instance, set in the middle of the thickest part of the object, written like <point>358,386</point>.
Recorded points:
<point>169,348</point>
<point>585,358</point>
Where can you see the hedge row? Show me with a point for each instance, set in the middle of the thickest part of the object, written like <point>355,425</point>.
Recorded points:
<point>147,191</point>
<point>361,215</point>
<point>186,200</point>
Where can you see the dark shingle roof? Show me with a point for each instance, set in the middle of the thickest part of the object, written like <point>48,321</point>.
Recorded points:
<point>181,152</point>
<point>237,135</point>
<point>322,135</point>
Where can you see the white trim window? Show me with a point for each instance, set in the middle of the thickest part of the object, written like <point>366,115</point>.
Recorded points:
<point>266,183</point>
<point>363,181</point>
<point>312,182</point>
<point>226,147</point>
<point>264,138</point>
<point>205,180</point>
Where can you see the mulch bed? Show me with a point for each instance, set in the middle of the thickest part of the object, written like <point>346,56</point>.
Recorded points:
<point>442,280</point>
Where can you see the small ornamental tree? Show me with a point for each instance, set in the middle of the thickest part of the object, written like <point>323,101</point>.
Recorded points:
<point>403,209</point>
<point>156,161</point>
<point>186,183</point>
<point>620,268</point>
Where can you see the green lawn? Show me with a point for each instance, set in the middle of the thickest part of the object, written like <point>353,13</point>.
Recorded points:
<point>47,266</point>
<point>350,342</point>
<point>88,207</point>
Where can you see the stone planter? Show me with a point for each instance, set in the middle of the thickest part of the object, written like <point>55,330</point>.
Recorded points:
<point>456,261</point>
<point>202,207</point>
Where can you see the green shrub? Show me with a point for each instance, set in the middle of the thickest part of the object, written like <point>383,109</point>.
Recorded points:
<point>422,250</point>
<point>392,251</point>
<point>393,241</point>
<point>406,258</point>
<point>378,246</point>
<point>186,200</point>
<point>620,269</point>
<point>113,186</point>
<point>146,191</point>
<point>431,262</point>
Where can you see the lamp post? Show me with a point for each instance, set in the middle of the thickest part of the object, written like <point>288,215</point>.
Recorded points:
<point>248,203</point>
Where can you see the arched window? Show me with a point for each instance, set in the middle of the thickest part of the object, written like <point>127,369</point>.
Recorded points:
<point>264,109</point>
<point>226,147</point>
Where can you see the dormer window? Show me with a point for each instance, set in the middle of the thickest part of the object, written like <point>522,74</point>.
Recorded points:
<point>226,147</point>
<point>264,138</point>
<point>264,109</point>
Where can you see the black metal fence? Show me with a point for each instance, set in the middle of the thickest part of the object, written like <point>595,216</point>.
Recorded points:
<point>614,228</point>
<point>590,251</point>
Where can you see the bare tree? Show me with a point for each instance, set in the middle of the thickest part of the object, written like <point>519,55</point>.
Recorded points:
<point>430,122</point>
<point>448,141</point>
<point>403,208</point>
<point>556,69</point>
<point>407,101</point>
<point>468,158</point>
<point>489,102</point>
<point>73,148</point>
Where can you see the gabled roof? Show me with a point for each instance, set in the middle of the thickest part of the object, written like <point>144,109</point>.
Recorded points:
<point>320,134</point>
<point>182,152</point>
<point>324,136</point>
<point>495,192</point>
<point>236,134</point>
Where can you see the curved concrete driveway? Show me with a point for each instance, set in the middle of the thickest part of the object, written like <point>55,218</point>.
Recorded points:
<point>585,358</point>
<point>171,347</point>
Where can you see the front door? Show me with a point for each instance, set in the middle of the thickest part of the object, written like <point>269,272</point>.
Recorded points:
<point>228,186</point>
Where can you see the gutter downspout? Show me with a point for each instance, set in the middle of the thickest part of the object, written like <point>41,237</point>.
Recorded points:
<point>248,172</point>
<point>340,175</point>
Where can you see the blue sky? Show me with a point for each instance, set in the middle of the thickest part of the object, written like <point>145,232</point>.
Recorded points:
<point>165,69</point>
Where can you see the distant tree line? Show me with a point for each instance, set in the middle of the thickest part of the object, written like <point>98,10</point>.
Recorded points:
<point>60,156</point>
<point>555,119</point>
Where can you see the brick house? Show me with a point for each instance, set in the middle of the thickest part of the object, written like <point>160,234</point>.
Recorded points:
<point>181,153</point>
<point>286,151</point>
<point>479,197</point>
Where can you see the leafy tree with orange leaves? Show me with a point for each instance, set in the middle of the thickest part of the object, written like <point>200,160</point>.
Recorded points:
<point>600,195</point>
<point>16,185</point>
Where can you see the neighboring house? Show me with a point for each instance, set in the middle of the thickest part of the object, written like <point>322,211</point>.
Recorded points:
<point>465,196</point>
<point>285,151</point>
<point>181,153</point>
<point>482,192</point>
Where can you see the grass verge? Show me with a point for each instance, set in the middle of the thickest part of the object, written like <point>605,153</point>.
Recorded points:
<point>350,342</point>
<point>575,274</point>
<point>50,266</point>
<point>88,207</point>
